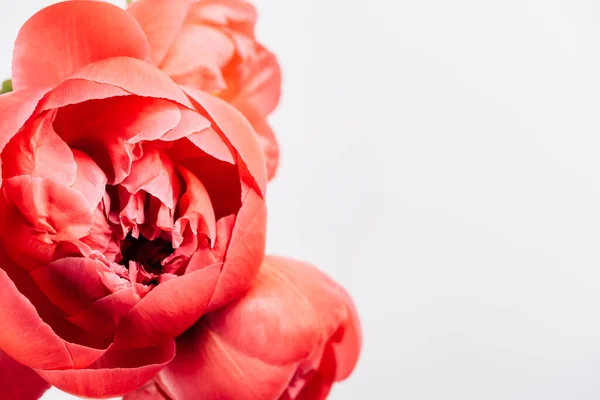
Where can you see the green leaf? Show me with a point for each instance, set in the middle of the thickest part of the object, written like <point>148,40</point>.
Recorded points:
<point>7,86</point>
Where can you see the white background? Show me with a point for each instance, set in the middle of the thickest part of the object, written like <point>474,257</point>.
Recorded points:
<point>441,160</point>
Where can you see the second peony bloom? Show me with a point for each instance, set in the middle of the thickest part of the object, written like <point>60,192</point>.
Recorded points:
<point>210,45</point>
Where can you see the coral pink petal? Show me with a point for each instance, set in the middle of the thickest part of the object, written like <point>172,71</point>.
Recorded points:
<point>19,382</point>
<point>104,316</point>
<point>240,16</point>
<point>212,50</point>
<point>195,206</point>
<point>256,83</point>
<point>162,30</point>
<point>134,76</point>
<point>64,37</point>
<point>90,180</point>
<point>347,342</point>
<point>238,131</point>
<point>279,336</point>
<point>246,249</point>
<point>191,122</point>
<point>208,367</point>
<point>168,310</point>
<point>266,138</point>
<point>49,207</point>
<point>75,91</point>
<point>211,142</point>
<point>15,109</point>
<point>149,392</point>
<point>29,340</point>
<point>38,151</point>
<point>73,283</point>
<point>154,173</point>
<point>117,373</point>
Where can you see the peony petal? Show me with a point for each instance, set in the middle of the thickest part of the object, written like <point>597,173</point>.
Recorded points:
<point>117,373</point>
<point>38,151</point>
<point>75,91</point>
<point>266,138</point>
<point>134,76</point>
<point>104,316</point>
<point>29,340</point>
<point>237,130</point>
<point>15,109</point>
<point>73,283</point>
<point>206,365</point>
<point>239,16</point>
<point>221,179</point>
<point>90,180</point>
<point>278,336</point>
<point>255,83</point>
<point>213,50</point>
<point>195,207</point>
<point>168,310</point>
<point>160,31</point>
<point>58,211</point>
<point>245,252</point>
<point>149,392</point>
<point>190,122</point>
<point>64,37</point>
<point>211,143</point>
<point>19,382</point>
<point>154,173</point>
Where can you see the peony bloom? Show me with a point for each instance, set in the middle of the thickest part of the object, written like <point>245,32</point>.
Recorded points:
<point>129,207</point>
<point>210,45</point>
<point>291,337</point>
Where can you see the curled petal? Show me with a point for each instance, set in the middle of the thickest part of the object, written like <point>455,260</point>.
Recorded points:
<point>238,131</point>
<point>15,109</point>
<point>19,382</point>
<point>73,283</point>
<point>134,76</point>
<point>64,37</point>
<point>38,151</point>
<point>195,208</point>
<point>117,373</point>
<point>168,310</point>
<point>154,173</point>
<point>90,180</point>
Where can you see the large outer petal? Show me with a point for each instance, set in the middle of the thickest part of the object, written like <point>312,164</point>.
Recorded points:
<point>161,20</point>
<point>64,37</point>
<point>28,339</point>
<point>282,333</point>
<point>245,251</point>
<point>19,382</point>
<point>117,373</point>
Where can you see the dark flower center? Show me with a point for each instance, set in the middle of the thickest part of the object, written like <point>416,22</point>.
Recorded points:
<point>149,254</point>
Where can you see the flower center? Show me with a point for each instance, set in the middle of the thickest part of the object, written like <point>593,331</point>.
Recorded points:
<point>148,254</point>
